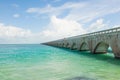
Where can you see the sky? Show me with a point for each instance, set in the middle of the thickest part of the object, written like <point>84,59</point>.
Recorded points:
<point>37,21</point>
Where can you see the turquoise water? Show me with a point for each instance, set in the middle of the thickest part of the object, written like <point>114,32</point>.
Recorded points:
<point>40,62</point>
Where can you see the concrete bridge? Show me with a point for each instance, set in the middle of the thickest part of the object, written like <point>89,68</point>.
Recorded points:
<point>96,42</point>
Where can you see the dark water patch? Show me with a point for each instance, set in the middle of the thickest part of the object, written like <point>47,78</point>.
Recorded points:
<point>80,78</point>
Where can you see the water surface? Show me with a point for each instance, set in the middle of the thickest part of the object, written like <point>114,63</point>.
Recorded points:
<point>40,62</point>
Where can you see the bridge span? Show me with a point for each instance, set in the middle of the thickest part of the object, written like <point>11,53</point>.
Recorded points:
<point>96,42</point>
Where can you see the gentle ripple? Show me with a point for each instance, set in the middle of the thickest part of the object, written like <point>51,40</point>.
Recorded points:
<point>40,62</point>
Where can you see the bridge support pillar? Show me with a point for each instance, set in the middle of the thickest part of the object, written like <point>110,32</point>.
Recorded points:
<point>116,46</point>
<point>117,54</point>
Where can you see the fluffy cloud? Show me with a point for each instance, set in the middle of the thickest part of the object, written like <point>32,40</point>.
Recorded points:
<point>60,28</point>
<point>56,29</point>
<point>13,34</point>
<point>11,31</point>
<point>97,26</point>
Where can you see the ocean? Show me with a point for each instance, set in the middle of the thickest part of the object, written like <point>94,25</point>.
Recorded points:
<point>41,62</point>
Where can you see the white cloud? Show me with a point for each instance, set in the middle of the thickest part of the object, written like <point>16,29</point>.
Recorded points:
<point>94,10</point>
<point>56,29</point>
<point>60,28</point>
<point>97,26</point>
<point>50,10</point>
<point>12,34</point>
<point>16,15</point>
<point>81,11</point>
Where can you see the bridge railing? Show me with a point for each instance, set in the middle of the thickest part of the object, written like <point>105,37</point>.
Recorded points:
<point>113,30</point>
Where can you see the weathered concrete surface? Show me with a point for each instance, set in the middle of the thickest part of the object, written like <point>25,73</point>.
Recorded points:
<point>97,42</point>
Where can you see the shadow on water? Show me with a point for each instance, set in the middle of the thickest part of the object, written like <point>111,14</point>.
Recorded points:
<point>80,78</point>
<point>103,57</point>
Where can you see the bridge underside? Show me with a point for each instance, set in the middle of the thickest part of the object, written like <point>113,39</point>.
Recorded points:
<point>73,47</point>
<point>84,47</point>
<point>101,48</point>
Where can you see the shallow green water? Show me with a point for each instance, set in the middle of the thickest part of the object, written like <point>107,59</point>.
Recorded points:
<point>40,62</point>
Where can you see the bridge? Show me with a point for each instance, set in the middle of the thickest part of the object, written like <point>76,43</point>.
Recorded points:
<point>96,42</point>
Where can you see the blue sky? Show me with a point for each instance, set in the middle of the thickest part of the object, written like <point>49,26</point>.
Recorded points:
<point>36,21</point>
